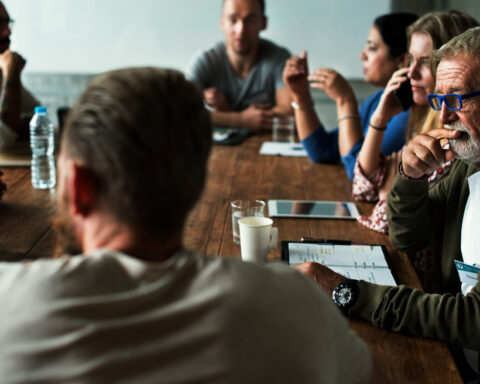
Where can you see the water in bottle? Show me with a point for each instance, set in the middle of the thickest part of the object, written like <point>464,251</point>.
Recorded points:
<point>42,143</point>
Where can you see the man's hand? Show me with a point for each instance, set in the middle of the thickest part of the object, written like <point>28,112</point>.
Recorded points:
<point>333,83</point>
<point>424,153</point>
<point>256,117</point>
<point>324,276</point>
<point>11,64</point>
<point>216,99</point>
<point>3,186</point>
<point>295,75</point>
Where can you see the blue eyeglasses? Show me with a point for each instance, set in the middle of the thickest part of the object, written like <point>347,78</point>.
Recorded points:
<point>452,101</point>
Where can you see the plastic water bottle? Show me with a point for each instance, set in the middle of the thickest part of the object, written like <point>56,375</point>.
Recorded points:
<point>42,143</point>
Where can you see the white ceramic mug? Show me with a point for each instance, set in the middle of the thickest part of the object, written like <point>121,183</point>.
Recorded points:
<point>257,237</point>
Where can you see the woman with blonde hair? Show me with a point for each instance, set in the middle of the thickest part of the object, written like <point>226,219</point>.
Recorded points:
<point>374,172</point>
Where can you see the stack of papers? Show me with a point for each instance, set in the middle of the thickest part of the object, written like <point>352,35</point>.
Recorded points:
<point>360,262</point>
<point>283,149</point>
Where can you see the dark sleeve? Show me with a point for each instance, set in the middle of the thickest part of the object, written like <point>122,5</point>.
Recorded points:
<point>351,158</point>
<point>415,214</point>
<point>322,146</point>
<point>396,133</point>
<point>448,318</point>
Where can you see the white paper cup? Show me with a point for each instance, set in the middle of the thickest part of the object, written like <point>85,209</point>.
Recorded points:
<point>257,237</point>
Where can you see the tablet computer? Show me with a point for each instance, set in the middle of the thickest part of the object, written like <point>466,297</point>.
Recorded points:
<point>313,209</point>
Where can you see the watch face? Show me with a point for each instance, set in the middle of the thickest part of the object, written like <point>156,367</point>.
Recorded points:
<point>343,295</point>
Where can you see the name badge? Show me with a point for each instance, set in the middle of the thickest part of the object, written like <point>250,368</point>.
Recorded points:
<point>468,275</point>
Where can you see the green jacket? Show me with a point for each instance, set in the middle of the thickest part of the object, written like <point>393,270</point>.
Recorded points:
<point>419,217</point>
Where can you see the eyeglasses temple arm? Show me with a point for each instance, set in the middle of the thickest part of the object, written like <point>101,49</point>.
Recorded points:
<point>471,94</point>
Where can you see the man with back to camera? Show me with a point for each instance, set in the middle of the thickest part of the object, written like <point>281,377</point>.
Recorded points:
<point>241,78</point>
<point>16,103</point>
<point>134,305</point>
<point>446,214</point>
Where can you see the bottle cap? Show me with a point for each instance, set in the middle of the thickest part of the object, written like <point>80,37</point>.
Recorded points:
<point>40,109</point>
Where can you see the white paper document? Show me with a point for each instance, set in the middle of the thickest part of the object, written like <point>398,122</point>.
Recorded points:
<point>360,262</point>
<point>283,149</point>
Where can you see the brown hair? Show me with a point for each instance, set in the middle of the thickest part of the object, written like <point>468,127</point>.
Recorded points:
<point>146,136</point>
<point>440,27</point>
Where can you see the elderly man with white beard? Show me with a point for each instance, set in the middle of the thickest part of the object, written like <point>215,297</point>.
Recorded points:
<point>446,214</point>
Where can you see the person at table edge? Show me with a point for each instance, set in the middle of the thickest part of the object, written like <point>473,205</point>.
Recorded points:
<point>241,78</point>
<point>134,305</point>
<point>446,214</point>
<point>16,103</point>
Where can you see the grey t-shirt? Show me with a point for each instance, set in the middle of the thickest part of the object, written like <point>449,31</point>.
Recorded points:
<point>212,68</point>
<point>106,317</point>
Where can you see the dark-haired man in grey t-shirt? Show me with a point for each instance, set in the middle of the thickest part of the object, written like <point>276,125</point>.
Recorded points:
<point>242,77</point>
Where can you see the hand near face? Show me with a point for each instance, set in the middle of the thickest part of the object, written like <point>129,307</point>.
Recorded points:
<point>333,83</point>
<point>389,106</point>
<point>424,153</point>
<point>295,74</point>
<point>11,63</point>
<point>256,118</point>
<point>3,186</point>
<point>322,275</point>
<point>216,99</point>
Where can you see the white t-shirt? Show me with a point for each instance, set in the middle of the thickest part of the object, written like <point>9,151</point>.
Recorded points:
<point>110,318</point>
<point>471,225</point>
<point>469,244</point>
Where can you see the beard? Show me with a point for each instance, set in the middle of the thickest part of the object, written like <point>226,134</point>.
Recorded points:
<point>66,242</point>
<point>466,147</point>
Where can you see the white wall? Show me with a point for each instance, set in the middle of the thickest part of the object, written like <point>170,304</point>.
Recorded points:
<point>97,35</point>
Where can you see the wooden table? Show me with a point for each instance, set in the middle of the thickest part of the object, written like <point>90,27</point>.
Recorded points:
<point>26,217</point>
<point>242,173</point>
<point>239,172</point>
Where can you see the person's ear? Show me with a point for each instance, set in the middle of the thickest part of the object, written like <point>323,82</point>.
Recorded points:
<point>83,190</point>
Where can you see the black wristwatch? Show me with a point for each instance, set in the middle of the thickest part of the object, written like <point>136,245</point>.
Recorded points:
<point>345,294</point>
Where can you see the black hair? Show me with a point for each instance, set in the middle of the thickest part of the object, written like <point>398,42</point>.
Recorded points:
<point>261,2</point>
<point>393,30</point>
